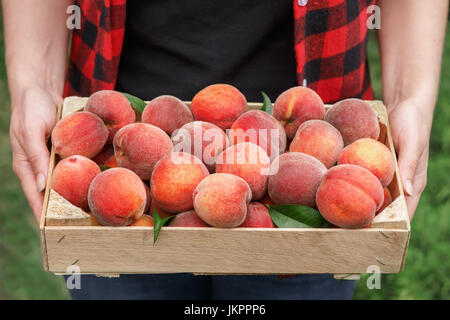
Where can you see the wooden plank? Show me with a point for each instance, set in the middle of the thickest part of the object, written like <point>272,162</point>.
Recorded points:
<point>214,250</point>
<point>347,276</point>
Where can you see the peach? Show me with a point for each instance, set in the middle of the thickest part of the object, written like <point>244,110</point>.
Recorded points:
<point>349,196</point>
<point>248,161</point>
<point>112,162</point>
<point>144,221</point>
<point>148,198</point>
<point>221,200</point>
<point>82,133</point>
<point>267,201</point>
<point>220,104</point>
<point>187,219</point>
<point>71,179</point>
<point>174,179</point>
<point>202,139</point>
<point>167,112</point>
<point>113,108</point>
<point>162,213</point>
<point>104,155</point>
<point>387,200</point>
<point>117,197</point>
<point>355,119</point>
<point>319,139</point>
<point>138,146</point>
<point>257,216</point>
<point>261,128</point>
<point>371,155</point>
<point>294,179</point>
<point>295,106</point>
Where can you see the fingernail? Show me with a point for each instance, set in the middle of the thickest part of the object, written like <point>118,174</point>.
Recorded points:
<point>408,188</point>
<point>40,181</point>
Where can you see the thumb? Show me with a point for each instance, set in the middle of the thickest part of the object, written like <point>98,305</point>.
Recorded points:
<point>408,160</point>
<point>38,156</point>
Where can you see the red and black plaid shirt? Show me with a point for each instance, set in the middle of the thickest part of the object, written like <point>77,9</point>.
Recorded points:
<point>330,47</point>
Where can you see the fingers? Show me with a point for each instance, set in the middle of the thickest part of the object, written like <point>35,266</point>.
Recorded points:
<point>419,183</point>
<point>408,159</point>
<point>25,173</point>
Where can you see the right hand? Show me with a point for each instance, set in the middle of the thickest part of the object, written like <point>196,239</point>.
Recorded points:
<point>33,116</point>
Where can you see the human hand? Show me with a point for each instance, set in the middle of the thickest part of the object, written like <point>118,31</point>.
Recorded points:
<point>33,116</point>
<point>410,125</point>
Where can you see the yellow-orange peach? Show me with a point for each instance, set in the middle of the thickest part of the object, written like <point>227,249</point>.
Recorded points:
<point>187,219</point>
<point>349,196</point>
<point>117,197</point>
<point>355,119</point>
<point>144,221</point>
<point>319,139</point>
<point>295,106</point>
<point>167,112</point>
<point>72,177</point>
<point>372,155</point>
<point>138,146</point>
<point>248,161</point>
<point>259,127</point>
<point>80,133</point>
<point>294,179</point>
<point>174,179</point>
<point>202,139</point>
<point>221,200</point>
<point>113,108</point>
<point>257,216</point>
<point>219,104</point>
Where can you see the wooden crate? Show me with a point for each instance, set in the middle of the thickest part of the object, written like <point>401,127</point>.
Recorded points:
<point>69,239</point>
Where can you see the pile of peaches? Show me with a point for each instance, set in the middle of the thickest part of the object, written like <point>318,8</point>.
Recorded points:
<point>217,164</point>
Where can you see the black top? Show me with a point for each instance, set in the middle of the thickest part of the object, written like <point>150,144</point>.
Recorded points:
<point>179,47</point>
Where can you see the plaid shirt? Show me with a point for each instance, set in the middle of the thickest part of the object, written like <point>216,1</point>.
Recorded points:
<point>330,47</point>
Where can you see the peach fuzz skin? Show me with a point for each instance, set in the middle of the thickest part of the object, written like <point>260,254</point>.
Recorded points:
<point>174,179</point>
<point>72,177</point>
<point>139,146</point>
<point>387,200</point>
<point>295,106</point>
<point>113,108</point>
<point>221,200</point>
<point>257,216</point>
<point>349,196</point>
<point>204,140</point>
<point>355,119</point>
<point>219,104</point>
<point>167,113</point>
<point>187,219</point>
<point>80,133</point>
<point>117,197</point>
<point>371,155</point>
<point>248,161</point>
<point>144,221</point>
<point>296,180</point>
<point>319,139</point>
<point>250,126</point>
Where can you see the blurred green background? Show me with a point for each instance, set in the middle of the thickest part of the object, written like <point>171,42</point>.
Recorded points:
<point>427,269</point>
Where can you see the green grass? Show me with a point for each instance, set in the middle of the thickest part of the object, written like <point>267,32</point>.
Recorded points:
<point>428,263</point>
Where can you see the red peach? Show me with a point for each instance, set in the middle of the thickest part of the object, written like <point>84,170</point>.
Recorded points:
<point>167,112</point>
<point>80,133</point>
<point>220,104</point>
<point>187,219</point>
<point>138,146</point>
<point>295,106</point>
<point>144,221</point>
<point>257,216</point>
<point>387,200</point>
<point>71,179</point>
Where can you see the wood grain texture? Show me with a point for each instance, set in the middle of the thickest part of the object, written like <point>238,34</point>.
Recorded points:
<point>214,250</point>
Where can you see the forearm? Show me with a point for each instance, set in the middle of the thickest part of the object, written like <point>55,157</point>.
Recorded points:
<point>36,40</point>
<point>411,40</point>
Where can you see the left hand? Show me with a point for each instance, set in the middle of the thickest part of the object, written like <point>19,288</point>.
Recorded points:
<point>410,127</point>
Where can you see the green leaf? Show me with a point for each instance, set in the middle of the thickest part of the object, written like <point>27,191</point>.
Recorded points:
<point>136,102</point>
<point>104,167</point>
<point>267,104</point>
<point>158,224</point>
<point>296,216</point>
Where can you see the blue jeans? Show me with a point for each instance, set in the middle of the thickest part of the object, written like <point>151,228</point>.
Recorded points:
<point>191,287</point>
